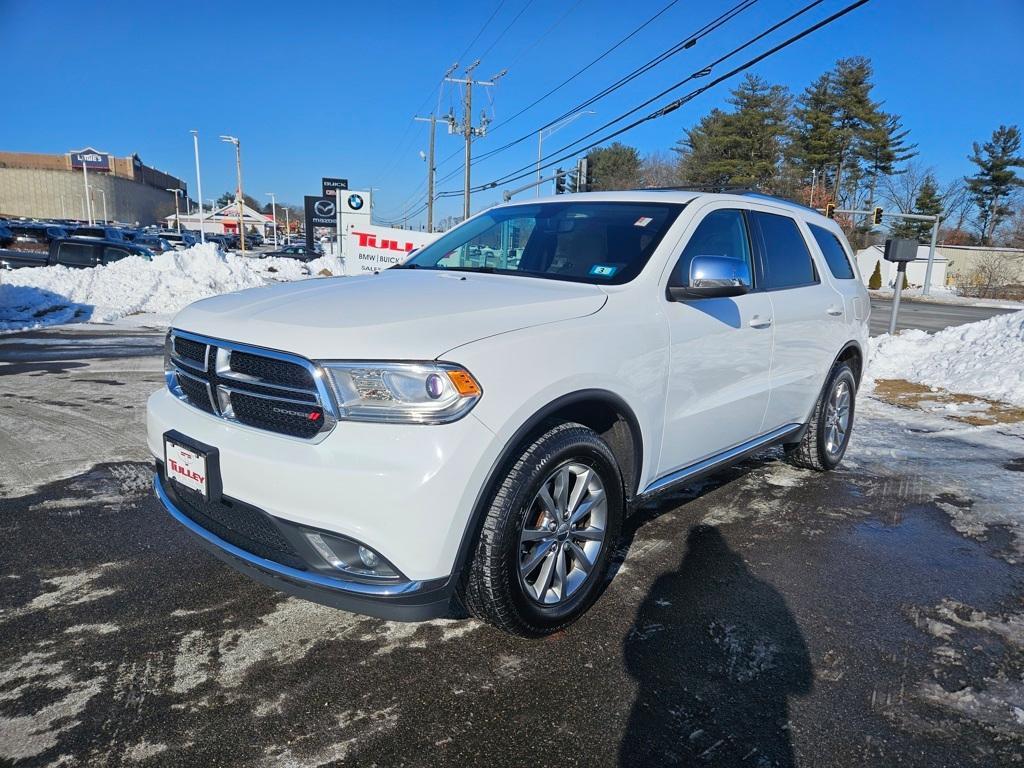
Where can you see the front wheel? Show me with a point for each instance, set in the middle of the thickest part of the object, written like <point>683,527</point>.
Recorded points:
<point>544,550</point>
<point>828,433</point>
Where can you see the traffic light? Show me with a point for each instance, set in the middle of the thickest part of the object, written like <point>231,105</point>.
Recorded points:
<point>584,176</point>
<point>876,216</point>
<point>559,181</point>
<point>830,210</point>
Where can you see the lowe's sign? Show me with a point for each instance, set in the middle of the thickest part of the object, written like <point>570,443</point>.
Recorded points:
<point>90,158</point>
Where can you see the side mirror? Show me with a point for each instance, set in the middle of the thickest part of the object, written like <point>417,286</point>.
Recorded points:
<point>712,277</point>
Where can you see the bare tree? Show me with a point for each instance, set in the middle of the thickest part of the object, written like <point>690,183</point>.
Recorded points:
<point>660,169</point>
<point>901,190</point>
<point>956,203</point>
<point>993,272</point>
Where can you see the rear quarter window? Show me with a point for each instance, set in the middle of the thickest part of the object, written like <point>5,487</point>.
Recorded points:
<point>834,253</point>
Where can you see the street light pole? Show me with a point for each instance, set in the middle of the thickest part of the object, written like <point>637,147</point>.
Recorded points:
<point>273,206</point>
<point>430,169</point>
<point>85,180</point>
<point>177,220</point>
<point>199,186</point>
<point>550,130</point>
<point>103,193</point>
<point>287,225</point>
<point>238,193</point>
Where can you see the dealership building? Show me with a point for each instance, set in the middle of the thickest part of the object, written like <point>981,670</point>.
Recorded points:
<point>53,187</point>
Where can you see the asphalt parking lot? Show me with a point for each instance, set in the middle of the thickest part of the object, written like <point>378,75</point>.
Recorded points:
<point>767,617</point>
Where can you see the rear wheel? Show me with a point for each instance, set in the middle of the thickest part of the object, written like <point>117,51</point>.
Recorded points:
<point>828,433</point>
<point>544,550</point>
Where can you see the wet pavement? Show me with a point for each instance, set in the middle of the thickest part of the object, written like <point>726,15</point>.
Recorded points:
<point>768,617</point>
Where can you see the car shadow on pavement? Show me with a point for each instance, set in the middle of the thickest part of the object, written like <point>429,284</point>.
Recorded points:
<point>716,654</point>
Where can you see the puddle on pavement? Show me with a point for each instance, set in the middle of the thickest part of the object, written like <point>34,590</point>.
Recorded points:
<point>925,557</point>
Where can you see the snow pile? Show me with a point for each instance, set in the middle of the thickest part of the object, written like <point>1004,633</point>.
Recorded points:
<point>985,359</point>
<point>39,296</point>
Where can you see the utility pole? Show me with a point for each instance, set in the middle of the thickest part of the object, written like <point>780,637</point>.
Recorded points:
<point>466,128</point>
<point>238,193</point>
<point>430,169</point>
<point>288,226</point>
<point>103,194</point>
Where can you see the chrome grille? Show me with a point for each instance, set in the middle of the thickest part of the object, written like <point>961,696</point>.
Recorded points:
<point>274,391</point>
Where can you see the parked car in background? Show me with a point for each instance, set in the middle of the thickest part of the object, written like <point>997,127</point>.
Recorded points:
<point>6,235</point>
<point>100,232</point>
<point>35,236</point>
<point>480,447</point>
<point>83,252</point>
<point>299,252</point>
<point>155,243</point>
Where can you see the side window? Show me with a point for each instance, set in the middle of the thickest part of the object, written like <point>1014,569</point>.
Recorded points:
<point>720,233</point>
<point>787,261</point>
<point>835,254</point>
<point>76,254</point>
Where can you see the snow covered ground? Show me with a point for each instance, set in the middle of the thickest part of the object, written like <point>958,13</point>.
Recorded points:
<point>984,359</point>
<point>947,296</point>
<point>43,296</point>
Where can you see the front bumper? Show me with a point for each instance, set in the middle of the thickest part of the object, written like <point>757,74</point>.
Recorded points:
<point>405,601</point>
<point>406,491</point>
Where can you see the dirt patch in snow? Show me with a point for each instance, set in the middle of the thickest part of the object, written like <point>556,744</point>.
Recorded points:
<point>969,409</point>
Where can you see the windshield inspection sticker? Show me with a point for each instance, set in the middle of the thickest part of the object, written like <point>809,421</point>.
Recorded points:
<point>643,221</point>
<point>603,270</point>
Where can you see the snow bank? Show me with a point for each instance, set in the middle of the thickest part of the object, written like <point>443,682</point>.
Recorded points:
<point>50,295</point>
<point>985,359</point>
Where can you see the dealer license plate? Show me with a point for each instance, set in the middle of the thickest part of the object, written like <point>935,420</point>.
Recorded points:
<point>186,466</point>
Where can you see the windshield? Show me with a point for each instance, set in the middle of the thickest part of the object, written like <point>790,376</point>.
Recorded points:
<point>587,242</point>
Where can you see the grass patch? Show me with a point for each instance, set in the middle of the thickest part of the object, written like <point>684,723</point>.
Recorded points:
<point>979,411</point>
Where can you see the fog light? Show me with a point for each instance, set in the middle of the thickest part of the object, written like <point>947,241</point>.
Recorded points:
<point>350,557</point>
<point>370,559</point>
<point>324,551</point>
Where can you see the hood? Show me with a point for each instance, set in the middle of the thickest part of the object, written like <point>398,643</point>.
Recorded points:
<point>395,315</point>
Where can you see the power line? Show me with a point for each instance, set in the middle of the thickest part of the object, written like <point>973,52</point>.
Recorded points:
<point>505,30</point>
<point>676,104</point>
<point>703,72</point>
<point>710,26</point>
<point>683,44</point>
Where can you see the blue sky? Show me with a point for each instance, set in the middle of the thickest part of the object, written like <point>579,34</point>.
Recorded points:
<point>330,90</point>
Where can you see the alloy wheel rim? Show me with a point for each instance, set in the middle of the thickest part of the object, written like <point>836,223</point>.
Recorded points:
<point>563,533</point>
<point>837,418</point>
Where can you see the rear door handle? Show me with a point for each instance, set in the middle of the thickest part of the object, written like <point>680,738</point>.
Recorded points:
<point>760,322</point>
<point>834,311</point>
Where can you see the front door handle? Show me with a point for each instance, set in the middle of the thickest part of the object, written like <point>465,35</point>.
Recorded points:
<point>834,311</point>
<point>760,322</point>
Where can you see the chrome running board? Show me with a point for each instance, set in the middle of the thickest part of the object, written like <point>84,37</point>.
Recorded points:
<point>710,464</point>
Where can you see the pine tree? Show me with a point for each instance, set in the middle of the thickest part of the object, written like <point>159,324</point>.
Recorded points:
<point>927,203</point>
<point>743,147</point>
<point>991,186</point>
<point>841,132</point>
<point>884,146</point>
<point>616,166</point>
<point>875,281</point>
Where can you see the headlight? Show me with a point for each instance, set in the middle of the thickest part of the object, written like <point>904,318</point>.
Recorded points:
<point>417,393</point>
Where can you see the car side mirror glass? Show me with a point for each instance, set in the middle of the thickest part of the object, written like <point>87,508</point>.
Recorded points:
<point>712,277</point>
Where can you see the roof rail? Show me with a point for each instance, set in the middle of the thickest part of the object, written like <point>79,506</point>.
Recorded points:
<point>731,190</point>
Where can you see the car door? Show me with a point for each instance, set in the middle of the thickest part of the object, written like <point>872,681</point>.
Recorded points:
<point>720,352</point>
<point>804,308</point>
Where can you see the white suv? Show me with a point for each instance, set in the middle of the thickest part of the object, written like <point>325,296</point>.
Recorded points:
<point>466,432</point>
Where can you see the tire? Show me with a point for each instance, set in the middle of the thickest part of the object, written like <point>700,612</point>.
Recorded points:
<point>819,449</point>
<point>517,528</point>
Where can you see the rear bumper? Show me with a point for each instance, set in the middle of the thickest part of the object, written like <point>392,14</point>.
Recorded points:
<point>405,601</point>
